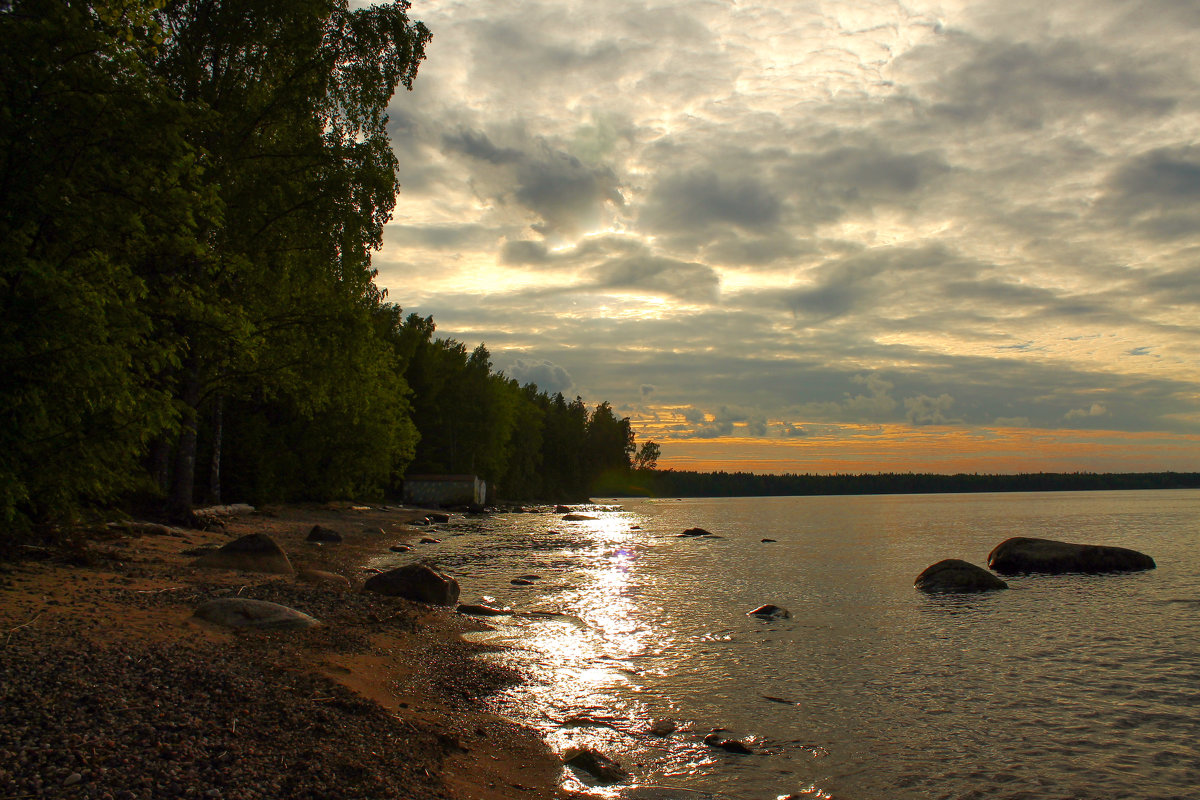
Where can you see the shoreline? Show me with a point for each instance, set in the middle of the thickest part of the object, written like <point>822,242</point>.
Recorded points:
<point>109,688</point>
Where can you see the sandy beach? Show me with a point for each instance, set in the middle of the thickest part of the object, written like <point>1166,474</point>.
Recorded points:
<point>110,688</point>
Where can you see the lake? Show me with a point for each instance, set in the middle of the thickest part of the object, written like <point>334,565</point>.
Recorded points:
<point>1060,687</point>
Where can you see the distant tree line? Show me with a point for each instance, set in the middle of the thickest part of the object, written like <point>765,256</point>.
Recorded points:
<point>671,483</point>
<point>190,194</point>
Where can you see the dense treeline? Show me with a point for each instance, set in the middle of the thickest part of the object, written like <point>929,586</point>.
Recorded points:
<point>190,194</point>
<point>669,483</point>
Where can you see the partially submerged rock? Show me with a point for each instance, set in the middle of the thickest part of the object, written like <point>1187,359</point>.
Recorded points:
<point>580,518</point>
<point>769,611</point>
<point>953,575</point>
<point>1022,554</point>
<point>596,764</point>
<point>715,739</point>
<point>254,552</point>
<point>242,612</point>
<point>482,610</point>
<point>417,582</point>
<point>662,727</point>
<point>695,532</point>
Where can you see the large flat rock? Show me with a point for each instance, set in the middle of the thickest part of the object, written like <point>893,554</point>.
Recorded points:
<point>242,612</point>
<point>1021,555</point>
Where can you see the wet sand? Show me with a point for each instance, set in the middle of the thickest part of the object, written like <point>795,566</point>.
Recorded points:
<point>109,688</point>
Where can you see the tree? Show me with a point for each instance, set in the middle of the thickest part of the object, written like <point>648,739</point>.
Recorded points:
<point>87,199</point>
<point>647,456</point>
<point>290,99</point>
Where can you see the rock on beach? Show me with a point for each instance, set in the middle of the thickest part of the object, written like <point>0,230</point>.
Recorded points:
<point>254,552</point>
<point>417,582</point>
<point>1022,554</point>
<point>953,575</point>
<point>242,612</point>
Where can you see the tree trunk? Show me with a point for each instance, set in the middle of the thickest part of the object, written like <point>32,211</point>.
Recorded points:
<point>160,462</point>
<point>214,471</point>
<point>179,504</point>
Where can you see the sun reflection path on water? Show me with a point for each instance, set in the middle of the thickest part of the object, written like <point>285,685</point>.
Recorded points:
<point>587,677</point>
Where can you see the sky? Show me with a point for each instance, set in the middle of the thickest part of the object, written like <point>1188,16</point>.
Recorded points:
<point>821,236</point>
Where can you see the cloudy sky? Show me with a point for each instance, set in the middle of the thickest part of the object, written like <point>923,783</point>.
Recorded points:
<point>821,236</point>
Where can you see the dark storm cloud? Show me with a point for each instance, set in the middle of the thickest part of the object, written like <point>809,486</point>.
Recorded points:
<point>478,145</point>
<point>702,198</point>
<point>829,183</point>
<point>1157,193</point>
<point>565,193</point>
<point>686,280</point>
<point>548,376</point>
<point>442,237</point>
<point>1024,84</point>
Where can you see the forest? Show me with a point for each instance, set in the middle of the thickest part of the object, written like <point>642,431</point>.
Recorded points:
<point>670,483</point>
<point>190,195</point>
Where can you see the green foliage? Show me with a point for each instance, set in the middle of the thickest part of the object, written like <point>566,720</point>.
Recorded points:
<point>190,195</point>
<point>86,199</point>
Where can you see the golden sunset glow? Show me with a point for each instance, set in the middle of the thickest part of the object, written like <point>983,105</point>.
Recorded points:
<point>763,230</point>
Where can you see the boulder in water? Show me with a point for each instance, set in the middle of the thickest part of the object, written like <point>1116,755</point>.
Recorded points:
<point>715,739</point>
<point>769,611</point>
<point>242,612</point>
<point>695,532</point>
<point>580,518</point>
<point>482,610</point>
<point>953,575</point>
<point>1022,554</point>
<point>596,764</point>
<point>662,727</point>
<point>417,582</point>
<point>254,552</point>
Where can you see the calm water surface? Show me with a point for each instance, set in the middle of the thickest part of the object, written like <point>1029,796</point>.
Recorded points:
<point>1062,687</point>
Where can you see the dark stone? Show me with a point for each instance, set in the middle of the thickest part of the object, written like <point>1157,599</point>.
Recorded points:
<point>695,532</point>
<point>430,540</point>
<point>415,582</point>
<point>254,552</point>
<point>443,518</point>
<point>579,518</point>
<point>769,611</point>
<point>956,575</point>
<point>715,739</point>
<point>600,766</point>
<point>322,534</point>
<point>767,540</point>
<point>663,727</point>
<point>521,582</point>
<point>1022,555</point>
<point>530,577</point>
<point>480,610</point>
<point>399,548</point>
<point>320,577</point>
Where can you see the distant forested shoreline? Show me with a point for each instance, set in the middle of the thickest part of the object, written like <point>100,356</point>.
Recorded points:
<point>673,483</point>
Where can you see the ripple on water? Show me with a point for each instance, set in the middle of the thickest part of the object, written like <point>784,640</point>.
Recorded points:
<point>1062,687</point>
